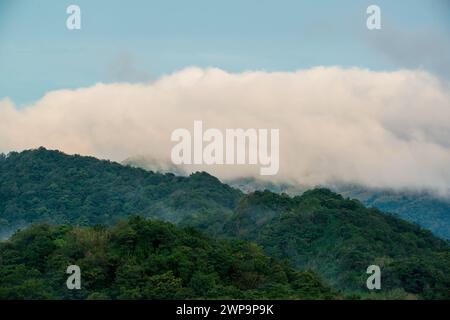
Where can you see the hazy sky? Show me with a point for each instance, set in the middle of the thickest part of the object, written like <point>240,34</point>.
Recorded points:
<point>141,40</point>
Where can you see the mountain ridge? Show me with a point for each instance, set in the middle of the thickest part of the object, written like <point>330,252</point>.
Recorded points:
<point>319,231</point>
<point>422,207</point>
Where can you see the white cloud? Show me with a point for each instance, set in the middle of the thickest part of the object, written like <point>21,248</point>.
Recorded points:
<point>381,129</point>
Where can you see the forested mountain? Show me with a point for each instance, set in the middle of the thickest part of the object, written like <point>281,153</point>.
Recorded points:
<point>49,186</point>
<point>321,231</point>
<point>424,208</point>
<point>429,210</point>
<point>339,238</point>
<point>139,259</point>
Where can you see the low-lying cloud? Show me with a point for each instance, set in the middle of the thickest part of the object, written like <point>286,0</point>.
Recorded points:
<point>380,129</point>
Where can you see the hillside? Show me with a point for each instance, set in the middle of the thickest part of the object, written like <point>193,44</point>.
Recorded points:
<point>339,238</point>
<point>424,208</point>
<point>321,231</point>
<point>49,186</point>
<point>141,259</point>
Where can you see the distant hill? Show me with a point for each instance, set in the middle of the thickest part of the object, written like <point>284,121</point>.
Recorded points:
<point>338,238</point>
<point>50,186</point>
<point>320,230</point>
<point>424,208</point>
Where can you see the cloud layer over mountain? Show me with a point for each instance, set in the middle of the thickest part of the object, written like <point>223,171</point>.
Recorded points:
<point>381,129</point>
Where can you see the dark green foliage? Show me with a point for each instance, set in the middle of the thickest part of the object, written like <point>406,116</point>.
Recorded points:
<point>423,208</point>
<point>321,231</point>
<point>428,209</point>
<point>339,238</point>
<point>49,186</point>
<point>142,259</point>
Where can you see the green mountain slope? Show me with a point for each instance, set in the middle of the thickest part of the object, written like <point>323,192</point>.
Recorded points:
<point>335,237</point>
<point>340,238</point>
<point>142,259</point>
<point>49,186</point>
<point>424,208</point>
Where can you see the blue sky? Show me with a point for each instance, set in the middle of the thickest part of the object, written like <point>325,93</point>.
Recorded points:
<point>136,41</point>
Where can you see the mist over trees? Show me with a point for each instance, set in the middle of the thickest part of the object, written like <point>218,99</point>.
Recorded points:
<point>107,217</point>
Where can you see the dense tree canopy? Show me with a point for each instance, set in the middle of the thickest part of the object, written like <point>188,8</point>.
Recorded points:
<point>49,186</point>
<point>139,259</point>
<point>339,238</point>
<point>83,200</point>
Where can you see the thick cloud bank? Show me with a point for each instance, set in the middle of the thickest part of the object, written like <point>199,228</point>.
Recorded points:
<point>381,129</point>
